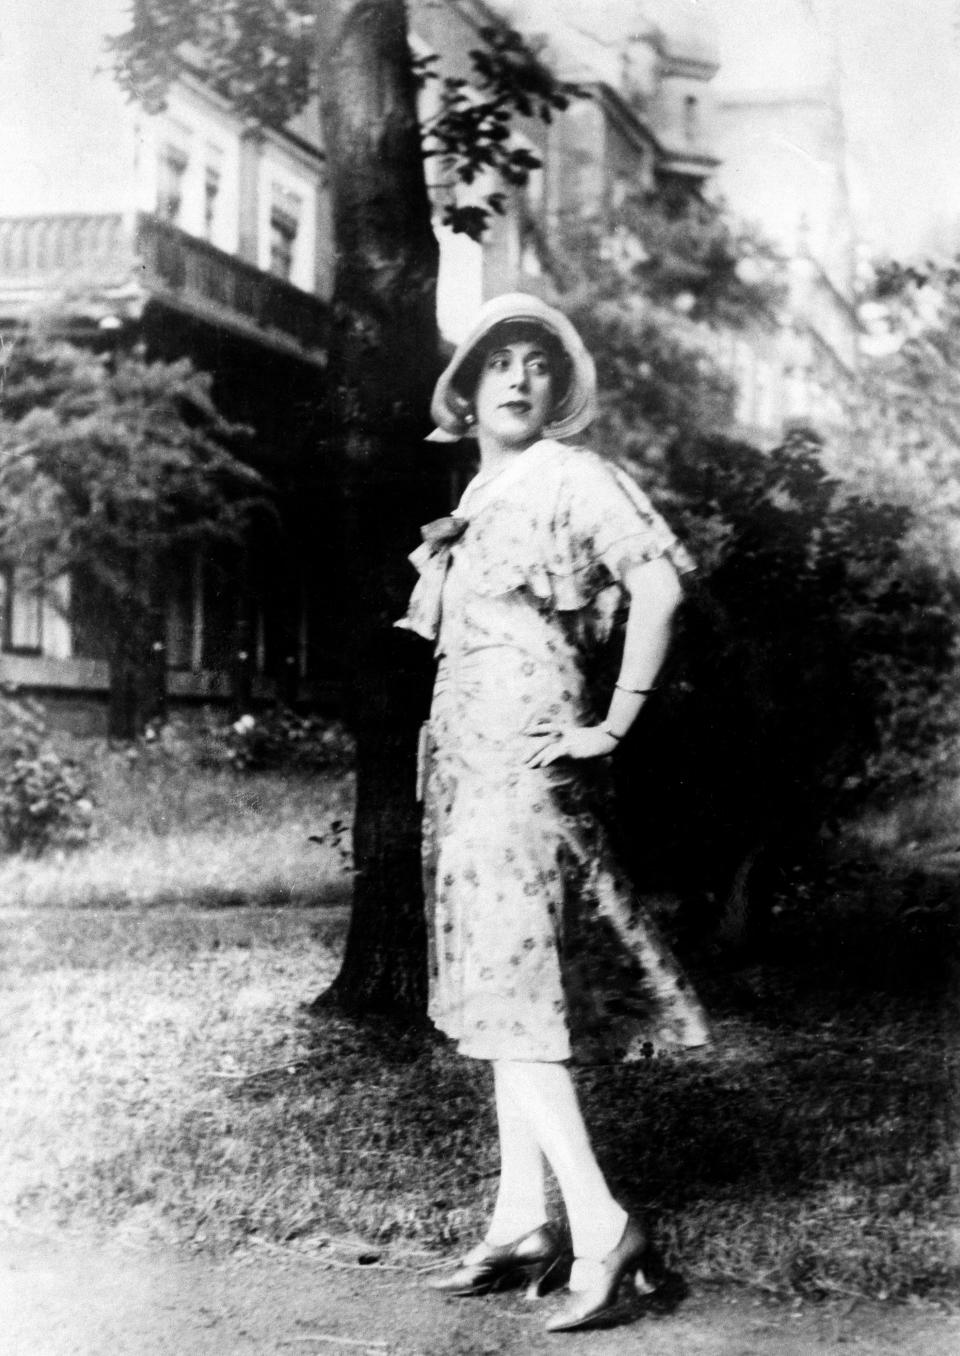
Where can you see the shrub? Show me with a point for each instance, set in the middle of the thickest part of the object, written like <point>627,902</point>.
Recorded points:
<point>44,797</point>
<point>815,665</point>
<point>845,634</point>
<point>282,738</point>
<point>274,740</point>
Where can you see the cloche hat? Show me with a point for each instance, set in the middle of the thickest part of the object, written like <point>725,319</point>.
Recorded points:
<point>575,408</point>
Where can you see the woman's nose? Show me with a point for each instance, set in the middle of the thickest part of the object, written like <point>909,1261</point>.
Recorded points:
<point>519,376</point>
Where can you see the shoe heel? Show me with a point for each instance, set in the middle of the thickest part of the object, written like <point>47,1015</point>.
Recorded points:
<point>648,1277</point>
<point>643,1284</point>
<point>541,1278</point>
<point>632,1261</point>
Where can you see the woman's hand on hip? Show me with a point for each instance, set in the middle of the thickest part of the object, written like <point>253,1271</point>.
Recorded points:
<point>550,741</point>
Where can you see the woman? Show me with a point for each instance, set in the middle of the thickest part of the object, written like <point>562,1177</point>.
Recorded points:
<point>539,951</point>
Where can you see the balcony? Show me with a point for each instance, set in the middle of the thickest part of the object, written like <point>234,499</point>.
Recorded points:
<point>198,278</point>
<point>97,265</point>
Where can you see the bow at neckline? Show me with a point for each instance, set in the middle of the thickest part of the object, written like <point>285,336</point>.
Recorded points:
<point>432,557</point>
<point>444,531</point>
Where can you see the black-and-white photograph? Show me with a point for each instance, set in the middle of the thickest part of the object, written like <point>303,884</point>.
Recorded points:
<point>479,677</point>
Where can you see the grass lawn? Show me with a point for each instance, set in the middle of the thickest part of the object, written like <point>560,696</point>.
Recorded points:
<point>162,1072</point>
<point>170,833</point>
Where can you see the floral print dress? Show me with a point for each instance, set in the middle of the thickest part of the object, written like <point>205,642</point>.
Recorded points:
<point>538,948</point>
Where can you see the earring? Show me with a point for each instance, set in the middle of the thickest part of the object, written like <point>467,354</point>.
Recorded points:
<point>469,418</point>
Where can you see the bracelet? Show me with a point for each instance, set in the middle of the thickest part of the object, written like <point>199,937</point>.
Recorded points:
<point>612,733</point>
<point>636,691</point>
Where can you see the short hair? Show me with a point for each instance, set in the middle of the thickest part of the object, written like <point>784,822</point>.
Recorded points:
<point>516,332</point>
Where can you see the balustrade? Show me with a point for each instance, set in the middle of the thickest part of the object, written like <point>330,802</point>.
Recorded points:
<point>94,250</point>
<point>195,270</point>
<point>54,248</point>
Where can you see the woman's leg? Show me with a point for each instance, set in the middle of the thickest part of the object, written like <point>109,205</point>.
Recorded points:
<point>545,1096</point>
<point>519,1244</point>
<point>521,1198</point>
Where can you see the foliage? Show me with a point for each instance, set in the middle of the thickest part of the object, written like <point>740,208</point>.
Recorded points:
<point>816,664</point>
<point>110,464</point>
<point>470,134</point>
<point>281,738</point>
<point>261,56</point>
<point>904,411</point>
<point>647,286</point>
<point>676,250</point>
<point>44,797</point>
<point>110,468</point>
<point>656,378</point>
<point>163,764</point>
<point>836,589</point>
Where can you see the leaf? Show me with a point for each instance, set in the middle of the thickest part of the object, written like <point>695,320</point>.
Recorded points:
<point>466,220</point>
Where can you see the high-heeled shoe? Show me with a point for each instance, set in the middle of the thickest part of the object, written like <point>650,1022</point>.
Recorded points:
<point>633,1256</point>
<point>534,1258</point>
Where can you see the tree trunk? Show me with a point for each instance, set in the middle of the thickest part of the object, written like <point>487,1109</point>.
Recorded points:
<point>383,363</point>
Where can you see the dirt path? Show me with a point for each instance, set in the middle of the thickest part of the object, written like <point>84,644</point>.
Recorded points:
<point>63,1296</point>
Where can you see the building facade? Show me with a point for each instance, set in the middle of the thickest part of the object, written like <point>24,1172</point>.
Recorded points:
<point>782,137</point>
<point>194,235</point>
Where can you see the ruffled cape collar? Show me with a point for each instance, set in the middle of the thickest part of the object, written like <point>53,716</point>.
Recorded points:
<point>432,556</point>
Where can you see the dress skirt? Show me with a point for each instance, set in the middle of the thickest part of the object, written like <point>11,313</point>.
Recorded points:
<point>539,948</point>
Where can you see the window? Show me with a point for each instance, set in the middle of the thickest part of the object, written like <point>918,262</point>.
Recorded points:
<point>170,176</point>
<point>89,607</point>
<point>211,193</point>
<point>21,604</point>
<point>283,235</point>
<point>186,612</point>
<point>284,228</point>
<point>179,629</point>
<point>220,634</point>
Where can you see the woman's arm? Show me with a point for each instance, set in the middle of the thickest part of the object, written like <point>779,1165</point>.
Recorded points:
<point>655,592</point>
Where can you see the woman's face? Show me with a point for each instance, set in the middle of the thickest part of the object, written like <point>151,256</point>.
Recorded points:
<point>514,394</point>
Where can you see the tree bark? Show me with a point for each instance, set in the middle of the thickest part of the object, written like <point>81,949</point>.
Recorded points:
<point>385,284</point>
<point>383,363</point>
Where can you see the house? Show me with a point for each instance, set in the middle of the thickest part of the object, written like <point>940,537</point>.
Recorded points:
<point>197,234</point>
